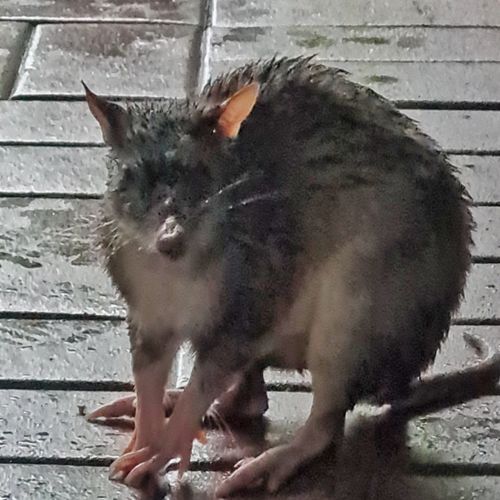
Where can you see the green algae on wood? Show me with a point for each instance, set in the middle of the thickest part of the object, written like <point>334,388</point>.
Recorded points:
<point>367,40</point>
<point>381,79</point>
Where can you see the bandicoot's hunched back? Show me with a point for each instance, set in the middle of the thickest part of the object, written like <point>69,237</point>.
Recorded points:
<point>288,217</point>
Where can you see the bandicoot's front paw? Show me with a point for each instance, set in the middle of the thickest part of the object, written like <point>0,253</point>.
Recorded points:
<point>136,467</point>
<point>272,468</point>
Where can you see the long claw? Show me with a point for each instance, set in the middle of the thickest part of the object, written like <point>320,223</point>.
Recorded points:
<point>185,460</point>
<point>128,461</point>
<point>131,444</point>
<point>119,408</point>
<point>140,472</point>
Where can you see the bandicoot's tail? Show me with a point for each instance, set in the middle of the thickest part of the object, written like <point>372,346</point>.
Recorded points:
<point>450,389</point>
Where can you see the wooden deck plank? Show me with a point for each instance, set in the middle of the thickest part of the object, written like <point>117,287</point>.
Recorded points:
<point>50,265</point>
<point>97,352</point>
<point>408,83</point>
<point>44,482</point>
<point>62,123</point>
<point>141,60</point>
<point>80,171</point>
<point>41,482</point>
<point>419,83</point>
<point>481,176</point>
<point>50,428</point>
<point>64,351</point>
<point>356,12</point>
<point>358,43</point>
<point>73,236</point>
<point>59,482</point>
<point>101,10</point>
<point>52,170</point>
<point>461,131</point>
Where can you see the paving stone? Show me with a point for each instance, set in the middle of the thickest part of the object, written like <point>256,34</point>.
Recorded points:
<point>418,82</point>
<point>185,11</point>
<point>358,43</point>
<point>43,482</point>
<point>356,12</point>
<point>80,171</point>
<point>115,59</point>
<point>12,39</point>
<point>481,176</point>
<point>49,262</point>
<point>52,170</point>
<point>56,351</point>
<point>54,123</point>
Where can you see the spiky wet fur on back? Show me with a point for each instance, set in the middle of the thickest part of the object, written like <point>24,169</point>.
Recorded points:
<point>358,179</point>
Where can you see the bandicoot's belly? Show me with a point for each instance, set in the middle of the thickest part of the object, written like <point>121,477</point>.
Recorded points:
<point>164,295</point>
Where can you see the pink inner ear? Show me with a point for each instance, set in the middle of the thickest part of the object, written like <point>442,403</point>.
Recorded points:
<point>236,110</point>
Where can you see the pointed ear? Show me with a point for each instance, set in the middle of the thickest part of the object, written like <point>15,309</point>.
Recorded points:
<point>236,110</point>
<point>112,118</point>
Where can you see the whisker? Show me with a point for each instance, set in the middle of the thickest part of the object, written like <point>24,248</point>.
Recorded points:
<point>222,423</point>
<point>243,179</point>
<point>272,195</point>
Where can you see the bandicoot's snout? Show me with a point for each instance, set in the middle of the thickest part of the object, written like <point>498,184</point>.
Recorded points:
<point>170,239</point>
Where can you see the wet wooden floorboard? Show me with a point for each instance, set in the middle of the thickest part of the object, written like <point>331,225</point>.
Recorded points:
<point>63,343</point>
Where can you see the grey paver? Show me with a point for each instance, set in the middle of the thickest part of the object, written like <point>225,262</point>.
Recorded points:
<point>102,10</point>
<point>70,122</point>
<point>481,176</point>
<point>358,43</point>
<point>356,12</point>
<point>52,170</point>
<point>90,351</point>
<point>12,40</point>
<point>50,262</point>
<point>418,82</point>
<point>42,482</point>
<point>80,171</point>
<point>118,59</point>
